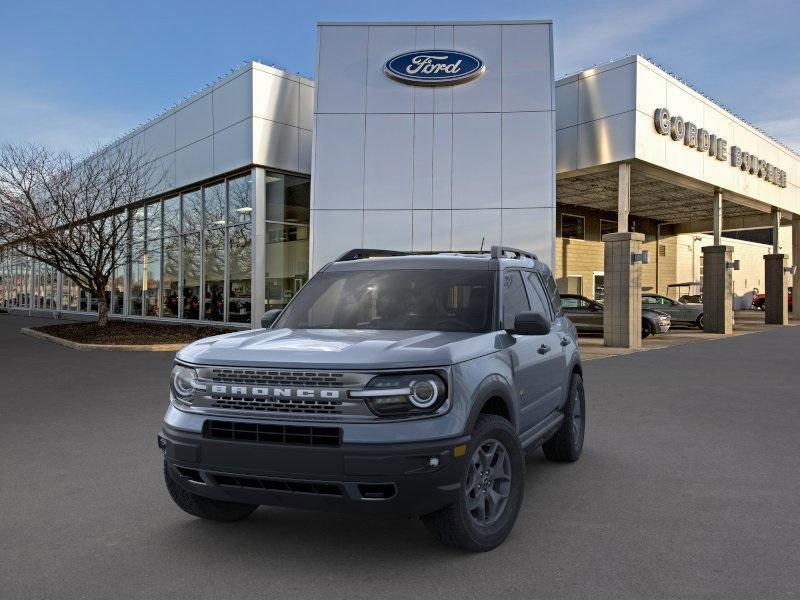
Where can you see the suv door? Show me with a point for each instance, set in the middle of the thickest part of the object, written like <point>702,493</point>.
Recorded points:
<point>533,357</point>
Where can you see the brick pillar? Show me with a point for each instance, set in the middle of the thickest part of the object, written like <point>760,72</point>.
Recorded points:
<point>777,312</point>
<point>796,263</point>
<point>717,290</point>
<point>622,312</point>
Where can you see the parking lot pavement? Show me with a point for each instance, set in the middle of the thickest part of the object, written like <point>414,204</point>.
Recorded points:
<point>746,321</point>
<point>688,488</point>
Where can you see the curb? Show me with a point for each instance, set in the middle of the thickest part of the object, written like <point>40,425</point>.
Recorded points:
<point>123,347</point>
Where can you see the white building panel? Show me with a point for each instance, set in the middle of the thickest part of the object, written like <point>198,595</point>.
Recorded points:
<point>342,69</point>
<point>306,106</point>
<point>332,230</point>
<point>421,230</point>
<point>385,95</point>
<point>567,149</point>
<point>387,229</point>
<point>277,98</point>
<point>530,228</point>
<point>338,175</point>
<point>232,146</point>
<point>607,92</point>
<point>476,171</point>
<point>442,161</point>
<point>423,165</point>
<point>483,94</point>
<point>194,162</point>
<point>606,140</point>
<point>276,145</point>
<point>159,138</point>
<point>526,68</point>
<point>567,103</point>
<point>527,165</point>
<point>471,227</point>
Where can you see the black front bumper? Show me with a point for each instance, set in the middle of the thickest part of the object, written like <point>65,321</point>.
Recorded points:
<point>408,478</point>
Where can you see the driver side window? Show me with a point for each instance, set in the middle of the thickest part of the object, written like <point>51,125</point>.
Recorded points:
<point>515,298</point>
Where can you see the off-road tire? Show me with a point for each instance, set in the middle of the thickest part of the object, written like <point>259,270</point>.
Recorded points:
<point>566,445</point>
<point>454,525</point>
<point>647,329</point>
<point>205,508</point>
<point>699,321</point>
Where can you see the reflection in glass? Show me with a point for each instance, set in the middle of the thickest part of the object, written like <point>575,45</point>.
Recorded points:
<point>192,211</point>
<point>135,279</point>
<point>153,220</point>
<point>288,198</point>
<point>287,263</point>
<point>214,292</point>
<point>240,274</point>
<point>152,276</point>
<point>119,290</point>
<point>239,209</point>
<point>172,216</point>
<point>191,276</point>
<point>170,276</point>
<point>215,204</point>
<point>137,224</point>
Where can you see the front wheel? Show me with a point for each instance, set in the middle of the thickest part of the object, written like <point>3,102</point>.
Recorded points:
<point>700,321</point>
<point>646,329</point>
<point>567,444</point>
<point>205,508</point>
<point>491,490</point>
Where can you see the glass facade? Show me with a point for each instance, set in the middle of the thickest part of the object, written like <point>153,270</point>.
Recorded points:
<point>190,256</point>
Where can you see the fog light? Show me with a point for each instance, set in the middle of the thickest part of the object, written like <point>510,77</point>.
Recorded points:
<point>433,461</point>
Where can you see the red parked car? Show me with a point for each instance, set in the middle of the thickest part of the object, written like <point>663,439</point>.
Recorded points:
<point>760,300</point>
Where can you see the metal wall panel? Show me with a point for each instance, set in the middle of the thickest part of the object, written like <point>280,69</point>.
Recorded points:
<point>530,228</point>
<point>305,142</point>
<point>606,140</point>
<point>306,108</point>
<point>566,149</point>
<point>194,162</point>
<point>275,145</point>
<point>567,105</point>
<point>387,229</point>
<point>423,165</point>
<point>483,94</point>
<point>159,138</point>
<point>233,146</point>
<point>470,227</point>
<point>527,165</point>
<point>276,98</point>
<point>342,69</point>
<point>385,95</point>
<point>388,173</point>
<point>442,161</point>
<point>338,169</point>
<point>607,93</point>
<point>421,230</point>
<point>527,77</point>
<point>333,230</point>
<point>233,101</point>
<point>194,121</point>
<point>476,172</point>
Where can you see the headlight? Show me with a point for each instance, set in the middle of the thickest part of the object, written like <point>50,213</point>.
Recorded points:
<point>183,379</point>
<point>404,395</point>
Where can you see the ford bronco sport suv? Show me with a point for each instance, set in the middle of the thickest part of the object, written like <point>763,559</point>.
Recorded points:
<point>390,383</point>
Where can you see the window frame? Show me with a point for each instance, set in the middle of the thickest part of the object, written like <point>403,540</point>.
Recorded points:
<point>583,220</point>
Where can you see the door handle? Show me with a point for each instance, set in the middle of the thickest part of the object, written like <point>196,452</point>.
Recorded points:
<point>565,341</point>
<point>544,349</point>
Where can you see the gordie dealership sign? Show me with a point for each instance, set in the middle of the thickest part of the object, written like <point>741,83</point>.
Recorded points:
<point>704,141</point>
<point>434,67</point>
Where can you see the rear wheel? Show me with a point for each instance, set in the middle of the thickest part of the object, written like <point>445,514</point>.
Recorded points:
<point>205,508</point>
<point>491,490</point>
<point>567,444</point>
<point>700,321</point>
<point>646,328</point>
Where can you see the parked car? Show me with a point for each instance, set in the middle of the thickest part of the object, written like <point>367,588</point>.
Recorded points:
<point>391,383</point>
<point>760,300</point>
<point>681,313</point>
<point>587,315</point>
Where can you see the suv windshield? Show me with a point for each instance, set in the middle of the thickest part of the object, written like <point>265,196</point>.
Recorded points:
<point>398,299</point>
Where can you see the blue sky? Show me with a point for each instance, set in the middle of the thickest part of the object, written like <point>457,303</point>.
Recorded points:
<point>75,74</point>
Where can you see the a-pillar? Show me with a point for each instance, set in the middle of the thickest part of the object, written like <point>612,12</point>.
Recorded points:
<point>796,263</point>
<point>717,290</point>
<point>622,313</point>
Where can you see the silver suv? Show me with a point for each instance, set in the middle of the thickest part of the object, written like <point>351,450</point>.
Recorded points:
<point>391,383</point>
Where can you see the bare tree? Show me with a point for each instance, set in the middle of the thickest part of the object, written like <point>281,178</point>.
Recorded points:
<point>70,213</point>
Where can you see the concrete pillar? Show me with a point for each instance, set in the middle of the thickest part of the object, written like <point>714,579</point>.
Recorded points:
<point>717,218</point>
<point>796,263</point>
<point>622,312</point>
<point>258,247</point>
<point>623,197</point>
<point>717,289</point>
<point>776,231</point>
<point>776,289</point>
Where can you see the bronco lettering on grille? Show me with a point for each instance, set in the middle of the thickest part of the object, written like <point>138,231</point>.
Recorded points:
<point>275,392</point>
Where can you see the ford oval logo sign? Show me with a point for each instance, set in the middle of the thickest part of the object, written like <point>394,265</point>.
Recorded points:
<point>434,67</point>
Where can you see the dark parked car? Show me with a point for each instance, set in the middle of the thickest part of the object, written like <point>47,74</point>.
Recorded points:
<point>587,315</point>
<point>681,313</point>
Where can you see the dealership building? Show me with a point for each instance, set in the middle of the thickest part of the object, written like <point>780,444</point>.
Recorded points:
<point>439,137</point>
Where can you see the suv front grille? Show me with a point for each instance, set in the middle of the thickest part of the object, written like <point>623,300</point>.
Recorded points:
<point>269,377</point>
<point>278,405</point>
<point>273,434</point>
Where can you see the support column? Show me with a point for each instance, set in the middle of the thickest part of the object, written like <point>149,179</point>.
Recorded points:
<point>258,237</point>
<point>717,290</point>
<point>717,217</point>
<point>622,313</point>
<point>623,197</point>
<point>776,289</point>
<point>796,263</point>
<point>776,231</point>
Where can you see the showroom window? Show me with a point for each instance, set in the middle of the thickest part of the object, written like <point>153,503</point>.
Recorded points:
<point>288,202</point>
<point>607,227</point>
<point>573,227</point>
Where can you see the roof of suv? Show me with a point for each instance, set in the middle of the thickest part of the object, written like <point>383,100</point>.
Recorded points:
<point>357,260</point>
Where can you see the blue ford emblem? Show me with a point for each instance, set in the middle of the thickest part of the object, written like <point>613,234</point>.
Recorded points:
<point>434,67</point>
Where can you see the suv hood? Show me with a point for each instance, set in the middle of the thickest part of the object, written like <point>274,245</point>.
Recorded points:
<point>338,348</point>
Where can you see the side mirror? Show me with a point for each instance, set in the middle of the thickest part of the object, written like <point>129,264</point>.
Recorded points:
<point>531,323</point>
<point>269,317</point>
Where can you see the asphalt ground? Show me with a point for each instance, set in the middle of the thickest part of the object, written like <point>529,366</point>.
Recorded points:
<point>689,487</point>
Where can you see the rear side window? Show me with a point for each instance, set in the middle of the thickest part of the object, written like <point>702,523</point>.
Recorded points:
<point>515,298</point>
<point>552,293</point>
<point>539,301</point>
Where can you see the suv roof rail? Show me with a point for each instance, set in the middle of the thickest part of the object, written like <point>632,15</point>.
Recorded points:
<point>500,251</point>
<point>359,253</point>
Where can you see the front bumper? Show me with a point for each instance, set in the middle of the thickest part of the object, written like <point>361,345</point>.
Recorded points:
<point>402,478</point>
<point>663,326</point>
